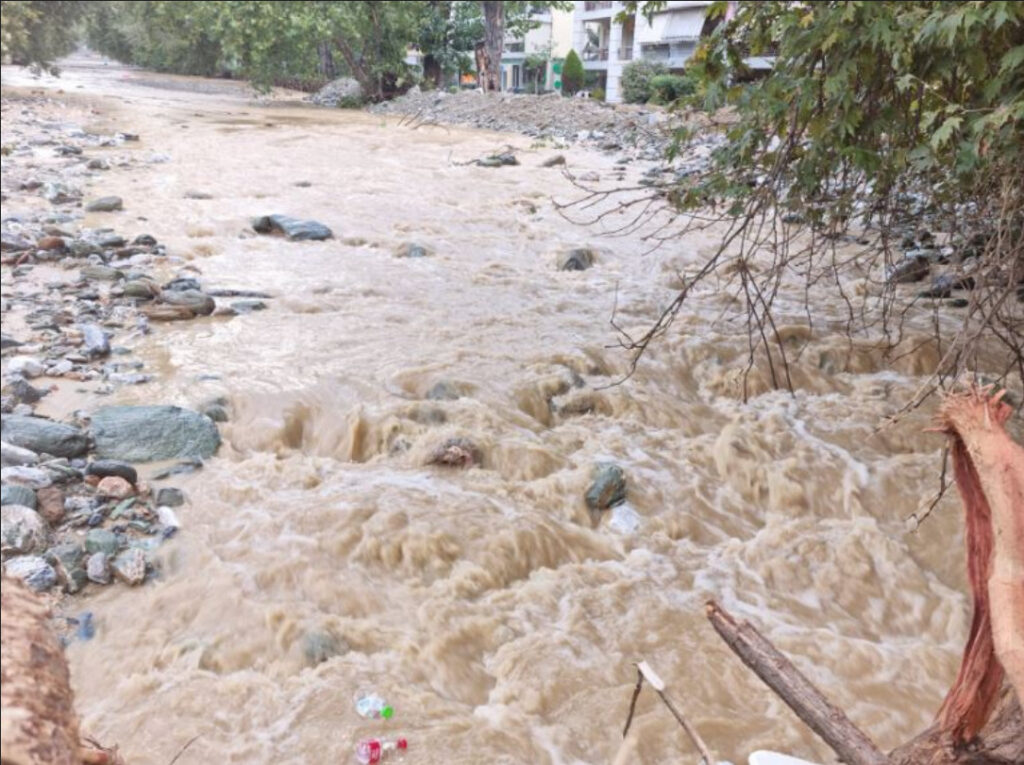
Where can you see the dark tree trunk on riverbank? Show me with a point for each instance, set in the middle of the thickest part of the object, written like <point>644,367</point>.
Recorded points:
<point>493,45</point>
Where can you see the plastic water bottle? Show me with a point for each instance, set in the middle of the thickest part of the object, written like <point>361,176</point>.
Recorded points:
<point>373,706</point>
<point>372,750</point>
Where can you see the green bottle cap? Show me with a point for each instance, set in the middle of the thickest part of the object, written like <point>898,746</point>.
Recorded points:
<point>387,712</point>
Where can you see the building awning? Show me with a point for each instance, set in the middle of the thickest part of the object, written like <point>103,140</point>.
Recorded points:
<point>669,26</point>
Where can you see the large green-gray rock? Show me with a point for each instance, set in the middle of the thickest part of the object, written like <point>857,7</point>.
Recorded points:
<point>150,433</point>
<point>44,436</point>
<point>11,494</point>
<point>607,488</point>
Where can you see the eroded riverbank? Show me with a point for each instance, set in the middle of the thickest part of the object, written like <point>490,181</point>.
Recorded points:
<point>495,612</point>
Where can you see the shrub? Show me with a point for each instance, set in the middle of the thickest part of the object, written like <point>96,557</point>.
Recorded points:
<point>573,73</point>
<point>636,80</point>
<point>597,94</point>
<point>666,88</point>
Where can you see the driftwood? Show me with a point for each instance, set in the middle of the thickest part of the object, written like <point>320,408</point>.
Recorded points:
<point>644,672</point>
<point>810,704</point>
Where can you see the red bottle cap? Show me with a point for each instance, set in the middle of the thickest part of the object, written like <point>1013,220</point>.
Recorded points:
<point>402,743</point>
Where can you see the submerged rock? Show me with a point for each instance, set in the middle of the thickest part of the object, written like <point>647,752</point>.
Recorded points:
<point>411,250</point>
<point>555,161</point>
<point>498,160</point>
<point>456,452</point>
<point>150,433</point>
<point>607,487</point>
<point>319,646</point>
<point>578,259</point>
<point>293,228</point>
<point>44,436</point>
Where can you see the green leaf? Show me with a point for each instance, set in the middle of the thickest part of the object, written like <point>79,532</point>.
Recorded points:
<point>945,131</point>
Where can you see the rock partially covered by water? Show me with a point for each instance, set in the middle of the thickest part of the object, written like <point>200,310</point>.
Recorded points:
<point>150,433</point>
<point>319,646</point>
<point>607,487</point>
<point>170,497</point>
<point>292,228</point>
<point>578,259</point>
<point>41,436</point>
<point>22,530</point>
<point>198,303</point>
<point>456,452</point>
<point>411,250</point>
<point>498,160</point>
<point>105,204</point>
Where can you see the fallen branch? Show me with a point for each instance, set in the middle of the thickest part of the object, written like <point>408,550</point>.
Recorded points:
<point>644,671</point>
<point>810,704</point>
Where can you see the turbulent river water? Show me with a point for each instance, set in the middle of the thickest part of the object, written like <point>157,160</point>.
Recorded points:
<point>498,616</point>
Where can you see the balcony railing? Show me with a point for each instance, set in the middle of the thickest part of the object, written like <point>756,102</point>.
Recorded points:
<point>626,54</point>
<point>596,6</point>
<point>595,54</point>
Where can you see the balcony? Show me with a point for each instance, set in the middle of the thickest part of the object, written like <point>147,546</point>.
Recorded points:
<point>595,54</point>
<point>596,6</point>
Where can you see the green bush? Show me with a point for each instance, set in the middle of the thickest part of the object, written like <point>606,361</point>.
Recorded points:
<point>597,94</point>
<point>636,80</point>
<point>666,88</point>
<point>573,74</point>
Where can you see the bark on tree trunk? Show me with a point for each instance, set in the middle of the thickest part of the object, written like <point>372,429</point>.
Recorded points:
<point>327,68</point>
<point>493,45</point>
<point>432,70</point>
<point>989,470</point>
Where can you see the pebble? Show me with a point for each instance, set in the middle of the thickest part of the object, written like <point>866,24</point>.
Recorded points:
<point>97,568</point>
<point>108,468</point>
<point>51,504</point>
<point>102,540</point>
<point>115,487</point>
<point>26,366</point>
<point>66,560</point>
<point>33,570</point>
<point>130,566</point>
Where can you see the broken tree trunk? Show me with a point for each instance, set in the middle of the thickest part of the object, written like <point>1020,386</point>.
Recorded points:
<point>989,469</point>
<point>38,723</point>
<point>810,704</point>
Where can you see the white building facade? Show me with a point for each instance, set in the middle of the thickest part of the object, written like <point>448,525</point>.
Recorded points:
<point>607,45</point>
<point>550,39</point>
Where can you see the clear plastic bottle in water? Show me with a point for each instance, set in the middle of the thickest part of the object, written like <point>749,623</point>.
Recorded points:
<point>373,706</point>
<point>373,750</point>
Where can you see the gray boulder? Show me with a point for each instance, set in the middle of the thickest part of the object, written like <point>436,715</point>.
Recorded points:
<point>105,204</point>
<point>150,433</point>
<point>579,259</point>
<point>195,301</point>
<point>97,342</point>
<point>344,92</point>
<point>41,435</point>
<point>292,228</point>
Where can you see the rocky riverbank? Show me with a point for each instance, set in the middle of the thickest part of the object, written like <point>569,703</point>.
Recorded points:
<point>76,511</point>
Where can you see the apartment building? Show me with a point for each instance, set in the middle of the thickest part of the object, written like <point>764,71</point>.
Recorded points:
<point>551,38</point>
<point>606,44</point>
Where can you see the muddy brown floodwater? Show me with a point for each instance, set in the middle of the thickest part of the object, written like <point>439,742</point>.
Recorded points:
<point>497,616</point>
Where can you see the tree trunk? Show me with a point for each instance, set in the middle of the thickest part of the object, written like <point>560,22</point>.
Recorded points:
<point>432,71</point>
<point>989,470</point>
<point>326,65</point>
<point>493,45</point>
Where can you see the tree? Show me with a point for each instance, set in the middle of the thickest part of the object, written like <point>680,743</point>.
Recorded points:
<point>877,120</point>
<point>36,33</point>
<point>573,74</point>
<point>489,50</point>
<point>636,80</point>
